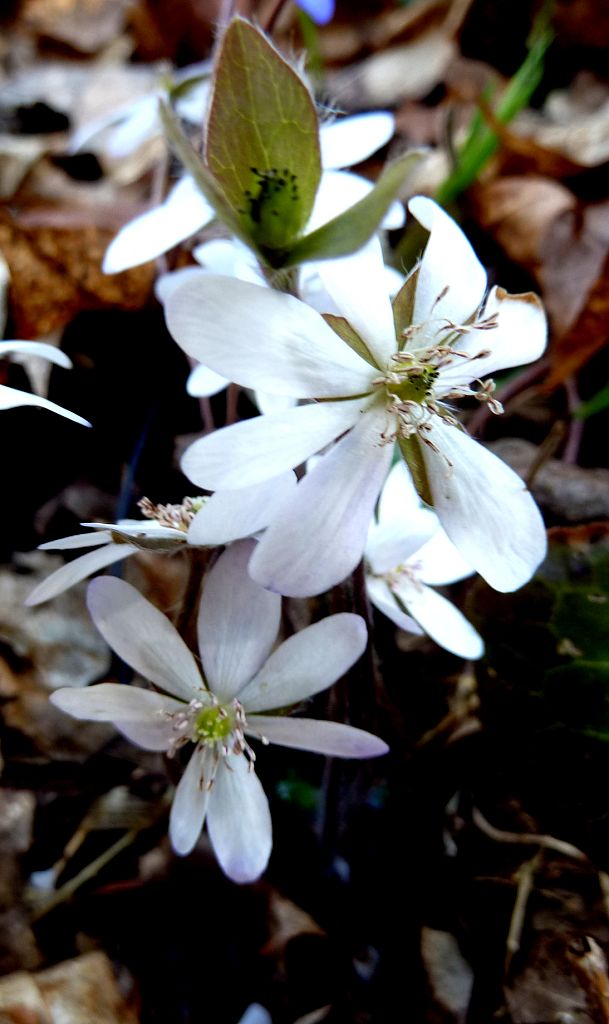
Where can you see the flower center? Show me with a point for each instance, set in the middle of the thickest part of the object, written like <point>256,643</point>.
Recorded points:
<point>221,726</point>
<point>178,517</point>
<point>214,723</point>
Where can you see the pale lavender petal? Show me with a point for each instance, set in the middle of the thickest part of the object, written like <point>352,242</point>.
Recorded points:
<point>78,540</point>
<point>238,622</point>
<point>230,515</point>
<point>254,450</point>
<point>239,821</point>
<point>451,280</point>
<point>143,716</point>
<point>143,637</point>
<point>440,619</point>
<point>191,801</point>
<point>359,287</point>
<point>184,212</point>
<point>73,572</point>
<point>393,543</point>
<point>485,508</point>
<point>380,595</point>
<point>262,338</point>
<point>439,562</point>
<point>318,536</point>
<point>307,662</point>
<point>519,337</point>
<point>350,140</point>
<point>329,738</point>
<point>12,398</point>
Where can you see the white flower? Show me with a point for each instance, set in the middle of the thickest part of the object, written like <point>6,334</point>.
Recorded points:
<point>216,716</point>
<point>407,550</point>
<point>185,211</point>
<point>11,398</point>
<point>370,392</point>
<point>198,522</point>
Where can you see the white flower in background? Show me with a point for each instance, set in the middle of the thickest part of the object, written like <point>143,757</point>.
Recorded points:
<point>197,522</point>
<point>217,715</point>
<point>406,551</point>
<point>11,398</point>
<point>373,391</point>
<point>185,211</point>
<point>119,132</point>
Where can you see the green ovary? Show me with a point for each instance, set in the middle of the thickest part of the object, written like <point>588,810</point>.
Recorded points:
<point>415,386</point>
<point>273,209</point>
<point>214,724</point>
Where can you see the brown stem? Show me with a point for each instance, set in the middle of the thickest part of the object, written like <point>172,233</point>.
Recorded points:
<point>576,425</point>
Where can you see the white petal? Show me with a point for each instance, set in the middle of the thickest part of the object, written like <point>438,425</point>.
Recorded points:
<point>255,450</point>
<point>307,663</point>
<point>352,139</point>
<point>165,284</point>
<point>78,540</point>
<point>191,801</point>
<point>203,383</point>
<point>330,738</point>
<point>263,339</point>
<point>520,337</point>
<point>394,543</point>
<point>359,287</point>
<point>72,572</point>
<point>138,528</point>
<point>268,404</point>
<point>318,536</point>
<point>141,715</point>
<point>143,637</point>
<point>35,348</point>
<point>239,821</point>
<point>338,191</point>
<point>238,622</point>
<point>399,499</point>
<point>231,257</point>
<point>449,262</point>
<point>142,124</point>
<point>440,619</point>
<point>485,508</point>
<point>184,212</point>
<point>12,398</point>
<point>439,562</point>
<point>380,595</point>
<point>230,515</point>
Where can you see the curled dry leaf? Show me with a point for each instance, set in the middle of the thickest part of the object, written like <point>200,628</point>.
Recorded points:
<point>56,271</point>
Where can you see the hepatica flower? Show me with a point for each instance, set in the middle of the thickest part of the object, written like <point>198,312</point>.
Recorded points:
<point>378,376</point>
<point>197,522</point>
<point>218,715</point>
<point>407,554</point>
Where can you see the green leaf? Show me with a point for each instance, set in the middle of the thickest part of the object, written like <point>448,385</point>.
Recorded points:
<point>262,138</point>
<point>483,140</point>
<point>350,336</point>
<point>410,448</point>
<point>350,230</point>
<point>403,305</point>
<point>193,163</point>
